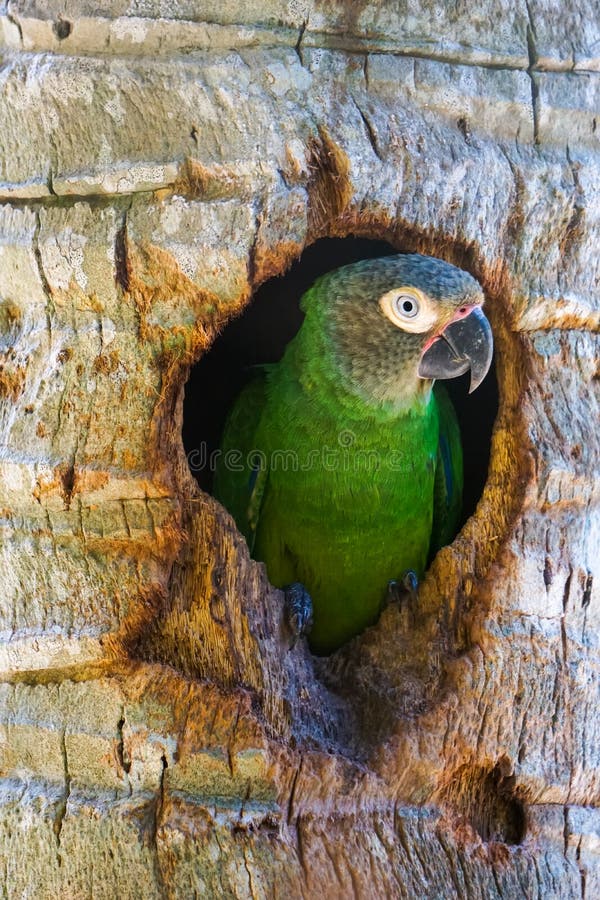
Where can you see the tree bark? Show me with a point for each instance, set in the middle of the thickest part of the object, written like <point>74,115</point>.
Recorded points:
<point>157,736</point>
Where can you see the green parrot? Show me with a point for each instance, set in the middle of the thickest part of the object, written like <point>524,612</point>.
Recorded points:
<point>342,463</point>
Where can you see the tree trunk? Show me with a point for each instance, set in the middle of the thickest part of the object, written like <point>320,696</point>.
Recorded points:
<point>158,737</point>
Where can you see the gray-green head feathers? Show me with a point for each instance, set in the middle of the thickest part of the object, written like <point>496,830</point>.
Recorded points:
<point>379,319</point>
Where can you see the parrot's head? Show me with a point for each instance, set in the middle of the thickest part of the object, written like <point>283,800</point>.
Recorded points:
<point>399,322</point>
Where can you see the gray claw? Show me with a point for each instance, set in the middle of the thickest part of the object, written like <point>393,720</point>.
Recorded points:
<point>405,589</point>
<point>410,583</point>
<point>298,610</point>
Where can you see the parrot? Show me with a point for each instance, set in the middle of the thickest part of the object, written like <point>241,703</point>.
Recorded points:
<point>341,464</point>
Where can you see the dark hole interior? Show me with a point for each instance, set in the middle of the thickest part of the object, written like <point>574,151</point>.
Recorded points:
<point>260,335</point>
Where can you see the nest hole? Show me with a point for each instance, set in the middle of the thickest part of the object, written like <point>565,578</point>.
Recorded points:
<point>62,28</point>
<point>261,334</point>
<point>357,691</point>
<point>487,800</point>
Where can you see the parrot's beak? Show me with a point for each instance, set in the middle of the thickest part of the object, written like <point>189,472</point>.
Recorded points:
<point>465,343</point>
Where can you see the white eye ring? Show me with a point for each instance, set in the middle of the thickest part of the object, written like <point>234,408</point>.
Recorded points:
<point>407,306</point>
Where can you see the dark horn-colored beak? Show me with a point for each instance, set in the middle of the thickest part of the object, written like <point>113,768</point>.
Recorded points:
<point>463,345</point>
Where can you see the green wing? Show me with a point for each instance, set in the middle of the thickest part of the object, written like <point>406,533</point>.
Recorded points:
<point>242,471</point>
<point>448,487</point>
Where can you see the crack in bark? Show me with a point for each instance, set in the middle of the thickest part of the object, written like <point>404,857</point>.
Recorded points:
<point>122,756</point>
<point>566,830</point>
<point>531,68</point>
<point>290,809</point>
<point>157,809</point>
<point>160,798</point>
<point>582,869</point>
<point>37,253</point>
<point>587,589</point>
<point>298,46</point>
<point>67,201</point>
<point>61,809</point>
<point>370,131</point>
<point>67,478</point>
<point>122,273</point>
<point>565,664</point>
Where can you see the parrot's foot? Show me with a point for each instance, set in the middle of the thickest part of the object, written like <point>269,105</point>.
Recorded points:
<point>298,610</point>
<point>404,591</point>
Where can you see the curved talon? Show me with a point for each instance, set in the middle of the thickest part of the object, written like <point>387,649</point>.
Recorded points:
<point>298,610</point>
<point>392,592</point>
<point>406,588</point>
<point>410,582</point>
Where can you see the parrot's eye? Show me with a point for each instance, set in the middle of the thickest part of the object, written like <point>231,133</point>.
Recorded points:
<point>408,309</point>
<point>406,306</point>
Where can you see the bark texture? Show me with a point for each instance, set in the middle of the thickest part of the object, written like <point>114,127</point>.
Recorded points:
<point>157,739</point>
